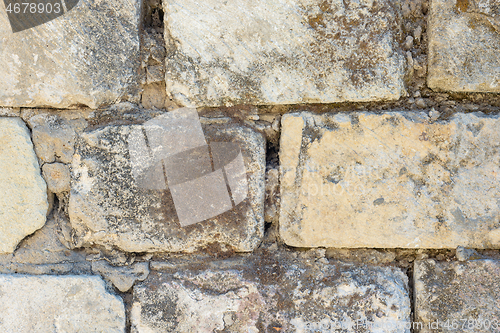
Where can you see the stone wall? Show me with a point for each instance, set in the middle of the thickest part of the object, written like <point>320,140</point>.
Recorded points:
<point>368,135</point>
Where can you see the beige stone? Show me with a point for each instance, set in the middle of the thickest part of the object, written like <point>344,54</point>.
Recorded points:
<point>282,52</point>
<point>89,56</point>
<point>23,192</point>
<point>457,296</point>
<point>464,39</point>
<point>57,177</point>
<point>390,180</point>
<point>49,304</point>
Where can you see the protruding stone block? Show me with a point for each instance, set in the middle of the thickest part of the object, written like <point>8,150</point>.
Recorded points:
<point>23,192</point>
<point>48,304</point>
<point>285,52</point>
<point>121,197</point>
<point>272,294</point>
<point>390,180</point>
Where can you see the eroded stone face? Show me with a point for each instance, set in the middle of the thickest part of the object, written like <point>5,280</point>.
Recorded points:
<point>457,296</point>
<point>63,303</point>
<point>88,56</point>
<point>23,192</point>
<point>284,52</point>
<point>265,293</point>
<point>464,38</point>
<point>108,206</point>
<point>390,180</point>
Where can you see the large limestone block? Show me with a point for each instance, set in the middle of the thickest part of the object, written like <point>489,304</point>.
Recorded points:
<point>110,206</point>
<point>89,56</point>
<point>272,294</point>
<point>392,180</point>
<point>464,38</point>
<point>457,296</point>
<point>49,304</point>
<point>282,52</point>
<point>23,192</point>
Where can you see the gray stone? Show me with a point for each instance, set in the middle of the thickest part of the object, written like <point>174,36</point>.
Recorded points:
<point>57,177</point>
<point>390,180</point>
<point>464,38</point>
<point>288,52</point>
<point>271,293</point>
<point>457,296</point>
<point>54,138</point>
<point>464,254</point>
<point>23,192</point>
<point>58,304</point>
<point>89,56</point>
<point>109,207</point>
<point>122,277</point>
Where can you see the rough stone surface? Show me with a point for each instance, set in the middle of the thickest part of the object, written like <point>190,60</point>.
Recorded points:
<point>89,56</point>
<point>23,192</point>
<point>391,180</point>
<point>270,294</point>
<point>57,177</point>
<point>282,52</point>
<point>58,304</point>
<point>457,296</point>
<point>107,206</point>
<point>122,277</point>
<point>464,38</point>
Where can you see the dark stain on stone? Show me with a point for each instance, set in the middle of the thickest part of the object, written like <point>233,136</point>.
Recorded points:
<point>462,5</point>
<point>378,201</point>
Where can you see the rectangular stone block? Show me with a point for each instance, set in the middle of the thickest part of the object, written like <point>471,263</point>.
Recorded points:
<point>390,180</point>
<point>85,55</point>
<point>266,293</point>
<point>120,197</point>
<point>464,38</point>
<point>49,304</point>
<point>457,296</point>
<point>282,52</point>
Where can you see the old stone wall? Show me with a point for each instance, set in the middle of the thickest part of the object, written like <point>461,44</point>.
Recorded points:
<point>250,166</point>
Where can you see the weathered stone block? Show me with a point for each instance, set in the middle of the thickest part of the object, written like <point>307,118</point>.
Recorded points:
<point>284,52</point>
<point>88,56</point>
<point>464,38</point>
<point>391,180</point>
<point>110,206</point>
<point>62,304</point>
<point>23,192</point>
<point>57,176</point>
<point>457,296</point>
<point>271,294</point>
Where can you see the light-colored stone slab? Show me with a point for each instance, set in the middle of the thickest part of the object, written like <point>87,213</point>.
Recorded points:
<point>49,304</point>
<point>109,207</point>
<point>88,56</point>
<point>23,192</point>
<point>390,180</point>
<point>457,296</point>
<point>464,39</point>
<point>282,52</point>
<point>272,294</point>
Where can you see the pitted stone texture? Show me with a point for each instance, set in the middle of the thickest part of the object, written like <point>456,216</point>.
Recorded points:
<point>390,180</point>
<point>108,207</point>
<point>23,192</point>
<point>464,294</point>
<point>464,39</point>
<point>89,56</point>
<point>264,293</point>
<point>282,52</point>
<point>58,304</point>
